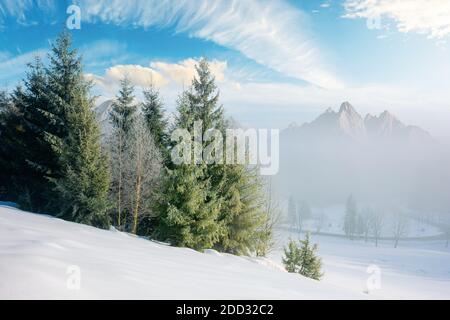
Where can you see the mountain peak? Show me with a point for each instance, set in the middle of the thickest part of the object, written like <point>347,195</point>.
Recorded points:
<point>386,115</point>
<point>346,107</point>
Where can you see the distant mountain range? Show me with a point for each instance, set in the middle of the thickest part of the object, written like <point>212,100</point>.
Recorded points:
<point>376,158</point>
<point>348,123</point>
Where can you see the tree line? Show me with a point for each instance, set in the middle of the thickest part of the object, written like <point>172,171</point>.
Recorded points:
<point>54,160</point>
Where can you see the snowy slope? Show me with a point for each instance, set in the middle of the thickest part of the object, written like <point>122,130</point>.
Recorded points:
<point>37,255</point>
<point>414,270</point>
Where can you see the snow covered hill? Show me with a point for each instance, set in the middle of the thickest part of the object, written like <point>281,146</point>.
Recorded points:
<point>46,258</point>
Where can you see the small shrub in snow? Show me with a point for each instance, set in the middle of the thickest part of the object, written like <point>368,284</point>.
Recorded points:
<point>302,258</point>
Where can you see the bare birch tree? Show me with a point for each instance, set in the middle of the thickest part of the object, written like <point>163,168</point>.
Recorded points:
<point>117,154</point>
<point>320,222</point>
<point>399,227</point>
<point>267,239</point>
<point>376,225</point>
<point>365,221</point>
<point>143,167</point>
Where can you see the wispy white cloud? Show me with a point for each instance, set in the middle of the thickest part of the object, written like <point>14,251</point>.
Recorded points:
<point>429,17</point>
<point>26,12</point>
<point>158,73</point>
<point>184,71</point>
<point>13,69</point>
<point>272,33</point>
<point>138,75</point>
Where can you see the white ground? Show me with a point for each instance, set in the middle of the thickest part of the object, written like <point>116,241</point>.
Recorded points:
<point>413,270</point>
<point>37,255</point>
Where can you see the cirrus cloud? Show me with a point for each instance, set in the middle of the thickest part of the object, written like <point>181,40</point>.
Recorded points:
<point>272,33</point>
<point>429,17</point>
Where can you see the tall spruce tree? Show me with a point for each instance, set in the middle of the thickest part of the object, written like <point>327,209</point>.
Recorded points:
<point>152,108</point>
<point>31,131</point>
<point>189,208</point>
<point>82,187</point>
<point>238,186</point>
<point>223,201</point>
<point>52,134</point>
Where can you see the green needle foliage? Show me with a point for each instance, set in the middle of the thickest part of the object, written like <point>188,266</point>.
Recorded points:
<point>302,258</point>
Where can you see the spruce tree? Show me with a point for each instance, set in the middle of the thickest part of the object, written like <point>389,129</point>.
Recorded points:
<point>225,202</point>
<point>30,134</point>
<point>291,259</point>
<point>189,213</point>
<point>5,114</point>
<point>310,263</point>
<point>302,258</point>
<point>82,187</point>
<point>244,214</point>
<point>53,136</point>
<point>189,208</point>
<point>239,188</point>
<point>204,98</point>
<point>152,108</point>
<point>123,109</point>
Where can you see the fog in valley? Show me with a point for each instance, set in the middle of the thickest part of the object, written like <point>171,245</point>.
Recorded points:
<point>385,166</point>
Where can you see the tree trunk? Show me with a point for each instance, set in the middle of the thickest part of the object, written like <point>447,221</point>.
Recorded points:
<point>119,200</point>
<point>137,199</point>
<point>396,243</point>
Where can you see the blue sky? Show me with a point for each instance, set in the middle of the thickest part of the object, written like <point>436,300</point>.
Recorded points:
<point>276,62</point>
